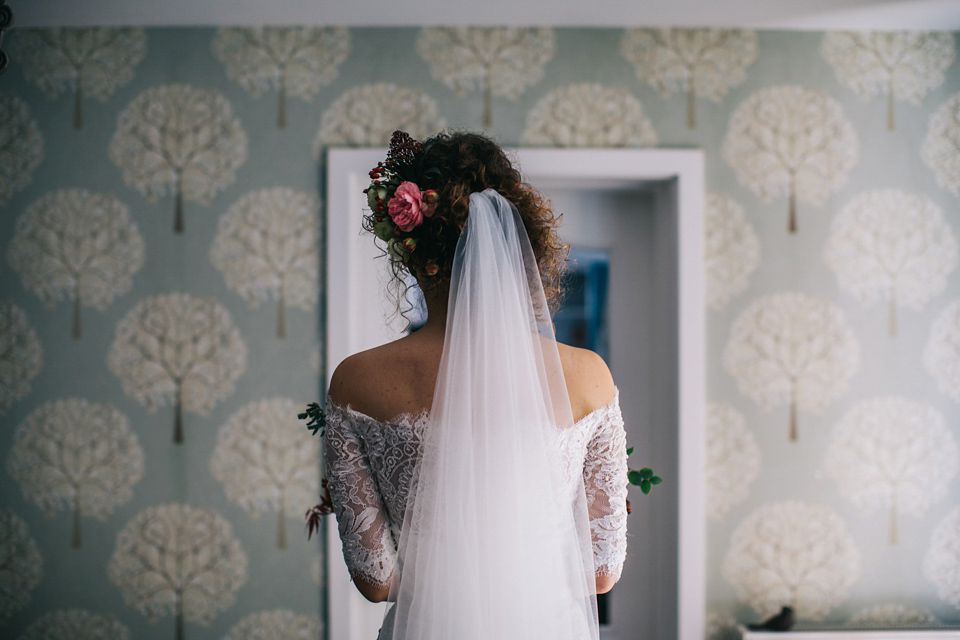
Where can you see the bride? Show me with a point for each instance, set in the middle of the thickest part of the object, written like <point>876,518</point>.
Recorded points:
<point>477,467</point>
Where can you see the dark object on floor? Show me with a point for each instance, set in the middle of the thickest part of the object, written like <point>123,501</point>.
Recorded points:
<point>783,621</point>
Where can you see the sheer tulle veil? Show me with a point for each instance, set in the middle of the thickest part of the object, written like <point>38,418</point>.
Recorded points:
<point>495,542</point>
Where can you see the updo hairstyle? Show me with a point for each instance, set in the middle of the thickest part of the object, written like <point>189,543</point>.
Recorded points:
<point>469,163</point>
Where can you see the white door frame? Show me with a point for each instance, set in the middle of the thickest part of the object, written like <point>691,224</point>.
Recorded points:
<point>356,309</point>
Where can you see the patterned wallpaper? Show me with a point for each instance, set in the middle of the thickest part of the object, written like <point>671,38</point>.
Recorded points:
<point>161,218</point>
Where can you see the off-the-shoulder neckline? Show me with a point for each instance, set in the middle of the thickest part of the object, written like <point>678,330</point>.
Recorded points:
<point>412,417</point>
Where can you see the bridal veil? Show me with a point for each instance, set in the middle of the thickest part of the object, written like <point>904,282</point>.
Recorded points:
<point>495,543</point>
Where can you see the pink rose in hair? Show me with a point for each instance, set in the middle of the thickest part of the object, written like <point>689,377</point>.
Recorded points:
<point>406,206</point>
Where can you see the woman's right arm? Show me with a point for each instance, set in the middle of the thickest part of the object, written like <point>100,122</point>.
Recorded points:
<point>605,481</point>
<point>592,390</point>
<point>604,469</point>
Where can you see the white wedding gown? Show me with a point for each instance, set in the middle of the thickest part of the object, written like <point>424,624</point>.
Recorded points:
<point>482,514</point>
<point>370,465</point>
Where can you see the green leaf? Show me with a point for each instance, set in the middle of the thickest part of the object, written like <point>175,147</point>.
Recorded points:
<point>629,450</point>
<point>645,486</point>
<point>646,472</point>
<point>634,477</point>
<point>656,480</point>
<point>317,418</point>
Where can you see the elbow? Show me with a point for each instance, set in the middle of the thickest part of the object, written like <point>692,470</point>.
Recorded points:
<point>605,583</point>
<point>376,595</point>
<point>372,591</point>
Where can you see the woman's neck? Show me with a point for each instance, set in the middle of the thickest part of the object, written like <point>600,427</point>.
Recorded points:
<point>436,324</point>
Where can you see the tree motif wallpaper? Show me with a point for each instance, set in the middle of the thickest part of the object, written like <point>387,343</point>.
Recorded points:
<point>162,304</point>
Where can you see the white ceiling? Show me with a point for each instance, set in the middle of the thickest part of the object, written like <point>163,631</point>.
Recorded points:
<point>760,14</point>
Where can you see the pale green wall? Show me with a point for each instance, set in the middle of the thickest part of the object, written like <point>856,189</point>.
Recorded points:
<point>285,367</point>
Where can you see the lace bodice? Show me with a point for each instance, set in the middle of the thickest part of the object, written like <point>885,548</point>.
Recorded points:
<point>370,465</point>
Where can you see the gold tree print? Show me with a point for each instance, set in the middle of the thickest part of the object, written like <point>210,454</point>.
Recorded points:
<point>75,624</point>
<point>941,356</point>
<point>588,115</point>
<point>941,564</point>
<point>180,138</point>
<point>21,356</point>
<point>267,246</point>
<point>76,245</point>
<point>903,65</point>
<point>21,565</point>
<point>291,60</point>
<point>733,459</point>
<point>21,145</point>
<point>941,146</point>
<point>77,455</point>
<point>731,251</point>
<point>178,560</point>
<point>85,61</point>
<point>367,115</point>
<point>499,61</point>
<point>792,553</point>
<point>276,625</point>
<point>892,453</point>
<point>793,349</point>
<point>697,62</point>
<point>177,349</point>
<point>263,463</point>
<point>793,142</point>
<point>891,245</point>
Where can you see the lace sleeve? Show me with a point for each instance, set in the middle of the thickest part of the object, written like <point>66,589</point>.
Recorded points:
<point>368,546</point>
<point>605,480</point>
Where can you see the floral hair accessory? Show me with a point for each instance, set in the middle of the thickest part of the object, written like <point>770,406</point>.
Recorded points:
<point>395,196</point>
<point>407,207</point>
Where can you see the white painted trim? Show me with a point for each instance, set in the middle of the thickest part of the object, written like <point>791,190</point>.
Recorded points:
<point>350,263</point>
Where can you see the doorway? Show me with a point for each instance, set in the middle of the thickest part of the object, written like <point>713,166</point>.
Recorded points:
<point>642,208</point>
<point>620,303</point>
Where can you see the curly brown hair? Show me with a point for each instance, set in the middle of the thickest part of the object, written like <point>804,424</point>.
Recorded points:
<point>467,163</point>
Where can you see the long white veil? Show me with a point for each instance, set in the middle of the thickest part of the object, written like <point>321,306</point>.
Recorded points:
<point>495,543</point>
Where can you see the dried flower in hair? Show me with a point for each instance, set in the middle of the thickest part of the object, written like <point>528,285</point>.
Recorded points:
<point>403,149</point>
<point>394,195</point>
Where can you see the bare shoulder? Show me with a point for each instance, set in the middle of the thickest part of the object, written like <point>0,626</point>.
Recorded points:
<point>388,380</point>
<point>351,382</point>
<point>589,382</point>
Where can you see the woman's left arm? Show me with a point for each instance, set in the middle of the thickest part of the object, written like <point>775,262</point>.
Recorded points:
<point>368,546</point>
